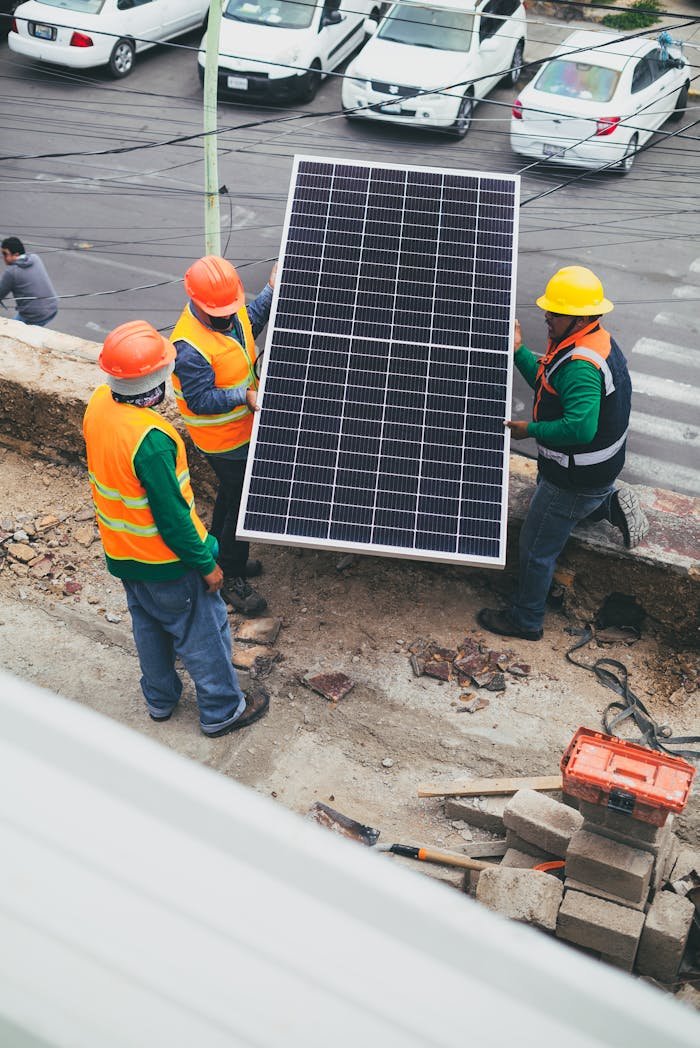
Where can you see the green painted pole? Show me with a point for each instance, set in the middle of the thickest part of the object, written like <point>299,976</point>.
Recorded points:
<point>212,222</point>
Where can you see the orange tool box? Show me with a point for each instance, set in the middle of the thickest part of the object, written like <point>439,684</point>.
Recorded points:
<point>624,777</point>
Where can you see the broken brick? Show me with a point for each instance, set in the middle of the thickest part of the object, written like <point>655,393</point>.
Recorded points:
<point>439,670</point>
<point>259,631</point>
<point>521,894</point>
<point>664,936</point>
<point>332,686</point>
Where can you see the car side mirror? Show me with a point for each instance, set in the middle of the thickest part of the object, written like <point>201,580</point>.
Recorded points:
<point>370,27</point>
<point>330,17</point>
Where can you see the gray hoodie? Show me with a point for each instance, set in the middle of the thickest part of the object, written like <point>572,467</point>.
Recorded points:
<point>35,296</point>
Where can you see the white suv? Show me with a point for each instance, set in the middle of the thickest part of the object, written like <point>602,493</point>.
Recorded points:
<point>273,50</point>
<point>428,65</point>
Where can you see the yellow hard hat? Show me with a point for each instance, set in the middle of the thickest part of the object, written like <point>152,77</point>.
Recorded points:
<point>575,292</point>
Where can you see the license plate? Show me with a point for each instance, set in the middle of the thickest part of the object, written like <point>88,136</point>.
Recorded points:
<point>550,150</point>
<point>45,32</point>
<point>390,107</point>
<point>237,83</point>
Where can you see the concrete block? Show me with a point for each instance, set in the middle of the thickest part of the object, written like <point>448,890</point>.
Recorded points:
<point>660,843</point>
<point>664,936</point>
<point>514,840</point>
<point>577,886</point>
<point>522,895</point>
<point>519,860</point>
<point>660,870</point>
<point>611,930</point>
<point>605,864</point>
<point>486,812</point>
<point>627,827</point>
<point>542,821</point>
<point>687,861</point>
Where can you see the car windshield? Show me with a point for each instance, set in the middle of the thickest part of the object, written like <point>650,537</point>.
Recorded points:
<point>284,14</point>
<point>428,27</point>
<point>578,80</point>
<point>85,7</point>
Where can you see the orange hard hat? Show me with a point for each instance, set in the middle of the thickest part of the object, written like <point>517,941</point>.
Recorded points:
<point>214,285</point>
<point>135,350</point>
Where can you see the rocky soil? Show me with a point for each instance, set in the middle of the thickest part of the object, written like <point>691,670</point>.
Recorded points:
<point>64,625</point>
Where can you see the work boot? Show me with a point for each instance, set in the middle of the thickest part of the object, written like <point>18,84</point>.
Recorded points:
<point>242,597</point>
<point>253,568</point>
<point>257,703</point>
<point>628,516</point>
<point>500,622</point>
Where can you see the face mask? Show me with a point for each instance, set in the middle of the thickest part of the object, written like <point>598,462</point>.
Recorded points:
<point>150,399</point>
<point>222,324</point>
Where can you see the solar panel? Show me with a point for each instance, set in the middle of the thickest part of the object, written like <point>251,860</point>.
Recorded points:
<point>388,371</point>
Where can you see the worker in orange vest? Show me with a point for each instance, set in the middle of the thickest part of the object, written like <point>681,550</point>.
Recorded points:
<point>154,540</point>
<point>216,390</point>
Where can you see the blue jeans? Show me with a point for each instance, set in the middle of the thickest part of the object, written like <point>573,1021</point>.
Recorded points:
<point>180,618</point>
<point>553,514</point>
<point>36,323</point>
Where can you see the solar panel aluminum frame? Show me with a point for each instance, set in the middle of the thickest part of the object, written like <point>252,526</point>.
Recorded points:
<point>341,545</point>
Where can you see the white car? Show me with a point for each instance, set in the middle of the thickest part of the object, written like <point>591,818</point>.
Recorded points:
<point>428,65</point>
<point>88,33</point>
<point>273,50</point>
<point>592,108</point>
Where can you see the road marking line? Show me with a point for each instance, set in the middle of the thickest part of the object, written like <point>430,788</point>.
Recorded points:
<point>94,260</point>
<point>665,474</point>
<point>675,321</point>
<point>664,429</point>
<point>665,389</point>
<point>686,291</point>
<point>667,352</point>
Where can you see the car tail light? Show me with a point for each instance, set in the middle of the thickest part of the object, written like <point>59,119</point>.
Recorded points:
<point>517,110</point>
<point>13,26</point>
<point>80,40</point>
<point>606,125</point>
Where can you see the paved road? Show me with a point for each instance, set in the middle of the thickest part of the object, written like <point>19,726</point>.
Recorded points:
<point>133,219</point>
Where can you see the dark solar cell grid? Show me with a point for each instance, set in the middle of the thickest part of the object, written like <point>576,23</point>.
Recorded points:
<point>388,369</point>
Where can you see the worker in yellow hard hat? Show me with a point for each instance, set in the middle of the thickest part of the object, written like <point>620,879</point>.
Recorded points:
<point>580,419</point>
<point>154,540</point>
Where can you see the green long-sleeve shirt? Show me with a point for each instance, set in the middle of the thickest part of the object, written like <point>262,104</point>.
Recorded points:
<point>578,385</point>
<point>154,463</point>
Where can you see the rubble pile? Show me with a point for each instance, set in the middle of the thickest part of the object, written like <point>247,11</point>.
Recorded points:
<point>471,664</point>
<point>629,892</point>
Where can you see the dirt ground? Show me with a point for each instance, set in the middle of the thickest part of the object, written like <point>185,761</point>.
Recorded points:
<point>64,625</point>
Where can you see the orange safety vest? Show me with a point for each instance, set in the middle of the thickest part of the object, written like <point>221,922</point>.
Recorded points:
<point>233,364</point>
<point>113,434</point>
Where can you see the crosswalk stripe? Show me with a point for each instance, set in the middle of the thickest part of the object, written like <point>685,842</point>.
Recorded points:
<point>665,389</point>
<point>664,474</point>
<point>664,429</point>
<point>667,352</point>
<point>674,320</point>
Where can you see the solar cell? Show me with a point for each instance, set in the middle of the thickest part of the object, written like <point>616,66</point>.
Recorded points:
<point>388,372</point>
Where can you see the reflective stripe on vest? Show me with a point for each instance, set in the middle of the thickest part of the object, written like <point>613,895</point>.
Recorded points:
<point>585,458</point>
<point>591,355</point>
<point>113,434</point>
<point>233,364</point>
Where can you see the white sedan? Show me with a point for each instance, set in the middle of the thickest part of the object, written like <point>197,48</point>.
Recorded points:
<point>595,108</point>
<point>88,33</point>
<point>429,64</point>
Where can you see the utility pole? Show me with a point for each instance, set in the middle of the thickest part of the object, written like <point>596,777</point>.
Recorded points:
<point>212,222</point>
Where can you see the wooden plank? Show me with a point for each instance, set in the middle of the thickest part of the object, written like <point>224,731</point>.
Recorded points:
<point>485,849</point>
<point>490,787</point>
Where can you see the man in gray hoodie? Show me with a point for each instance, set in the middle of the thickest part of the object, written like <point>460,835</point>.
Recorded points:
<point>27,279</point>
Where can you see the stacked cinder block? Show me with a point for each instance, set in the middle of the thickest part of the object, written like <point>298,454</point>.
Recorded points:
<point>616,866</point>
<point>613,902</point>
